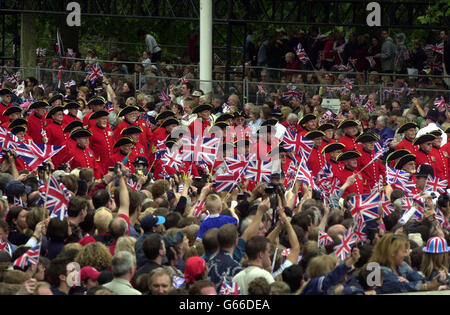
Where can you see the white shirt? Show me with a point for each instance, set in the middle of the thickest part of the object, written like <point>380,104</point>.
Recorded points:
<point>249,274</point>
<point>429,128</point>
<point>152,45</point>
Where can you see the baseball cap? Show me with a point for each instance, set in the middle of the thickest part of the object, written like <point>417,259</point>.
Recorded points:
<point>195,266</point>
<point>89,272</point>
<point>17,188</point>
<point>149,221</point>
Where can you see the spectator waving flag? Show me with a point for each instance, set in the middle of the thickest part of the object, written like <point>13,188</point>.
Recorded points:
<point>60,49</point>
<point>41,52</point>
<point>200,150</point>
<point>172,158</point>
<point>164,96</point>
<point>95,72</point>
<point>439,48</point>
<point>345,247</point>
<point>133,185</point>
<point>292,93</point>
<point>362,98</point>
<point>259,171</point>
<point>261,89</point>
<point>34,154</point>
<point>436,184</point>
<point>18,202</point>
<point>439,102</point>
<point>370,107</point>
<point>324,239</point>
<point>13,77</point>
<point>371,61</point>
<point>57,196</point>
<point>31,257</point>
<point>326,117</point>
<point>8,140</point>
<point>386,206</point>
<point>365,205</point>
<point>301,54</point>
<point>304,174</point>
<point>226,182</point>
<point>358,229</point>
<point>229,288</point>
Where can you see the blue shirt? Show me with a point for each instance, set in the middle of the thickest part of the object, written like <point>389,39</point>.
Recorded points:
<point>321,285</point>
<point>391,284</point>
<point>215,221</point>
<point>222,266</point>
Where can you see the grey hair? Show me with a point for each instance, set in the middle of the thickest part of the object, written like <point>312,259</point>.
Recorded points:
<point>118,227</point>
<point>122,262</point>
<point>292,115</point>
<point>383,119</point>
<point>149,98</point>
<point>160,271</point>
<point>246,222</point>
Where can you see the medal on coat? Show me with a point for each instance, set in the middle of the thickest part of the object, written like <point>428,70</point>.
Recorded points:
<point>433,159</point>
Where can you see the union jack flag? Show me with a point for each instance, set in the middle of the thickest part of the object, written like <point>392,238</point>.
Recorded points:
<point>58,198</point>
<point>69,84</point>
<point>366,205</point>
<point>306,147</point>
<point>238,162</point>
<point>371,61</point>
<point>178,282</point>
<point>41,52</point>
<point>326,117</point>
<point>354,99</point>
<point>4,246</point>
<point>201,150</point>
<point>184,80</point>
<point>435,66</point>
<point>71,53</point>
<point>226,108</point>
<point>261,89</point>
<point>8,140</point>
<point>164,96</point>
<point>324,239</point>
<point>324,177</point>
<point>229,288</point>
<point>34,154</point>
<point>345,247</point>
<point>370,107</point>
<point>13,77</point>
<point>436,184</point>
<point>348,84</point>
<point>259,171</point>
<point>18,202</point>
<point>399,180</point>
<point>161,148</point>
<point>362,98</point>
<point>173,159</point>
<point>439,102</point>
<point>199,207</point>
<point>386,205</point>
<point>301,54</point>
<point>31,257</point>
<point>342,67</point>
<point>134,185</point>
<point>441,218</point>
<point>226,182</point>
<point>439,48</point>
<point>293,93</point>
<point>358,229</point>
<point>304,174</point>
<point>95,72</point>
<point>292,142</point>
<point>60,48</point>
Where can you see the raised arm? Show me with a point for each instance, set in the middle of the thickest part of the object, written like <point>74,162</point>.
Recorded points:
<point>123,194</point>
<point>293,239</point>
<point>253,228</point>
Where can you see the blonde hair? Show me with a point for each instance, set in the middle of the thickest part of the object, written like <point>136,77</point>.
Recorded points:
<point>321,265</point>
<point>76,246</point>
<point>386,247</point>
<point>290,55</point>
<point>126,243</point>
<point>102,218</point>
<point>96,255</point>
<point>431,262</point>
<point>213,203</point>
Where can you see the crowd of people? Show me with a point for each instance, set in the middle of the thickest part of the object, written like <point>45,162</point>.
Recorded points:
<point>120,206</point>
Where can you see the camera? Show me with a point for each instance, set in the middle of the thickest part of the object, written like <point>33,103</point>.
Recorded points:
<point>273,189</point>
<point>6,153</point>
<point>63,167</point>
<point>44,166</point>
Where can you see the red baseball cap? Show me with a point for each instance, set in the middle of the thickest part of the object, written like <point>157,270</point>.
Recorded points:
<point>195,266</point>
<point>89,272</point>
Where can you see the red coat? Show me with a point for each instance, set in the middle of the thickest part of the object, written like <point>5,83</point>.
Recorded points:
<point>102,142</point>
<point>325,143</point>
<point>316,161</point>
<point>440,165</point>
<point>349,143</point>
<point>336,167</point>
<point>371,174</point>
<point>56,136</point>
<point>85,158</point>
<point>294,129</point>
<point>69,118</point>
<point>358,187</point>
<point>446,151</point>
<point>87,122</point>
<point>423,158</point>
<point>35,126</point>
<point>199,126</point>
<point>408,145</point>
<point>4,107</point>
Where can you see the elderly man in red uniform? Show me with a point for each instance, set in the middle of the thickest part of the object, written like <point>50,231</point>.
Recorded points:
<point>331,152</point>
<point>95,104</point>
<point>6,95</point>
<point>393,157</point>
<point>134,132</point>
<point>13,112</point>
<point>441,165</point>
<point>200,126</point>
<point>409,130</point>
<point>102,139</point>
<point>74,125</point>
<point>423,155</point>
<point>265,143</point>
<point>371,173</point>
<point>55,133</point>
<point>350,159</point>
<point>36,122</point>
<point>350,128</point>
<point>316,160</point>
<point>308,123</point>
<point>328,129</point>
<point>81,155</point>
<point>163,116</point>
<point>54,101</point>
<point>167,126</point>
<point>123,154</point>
<point>72,108</point>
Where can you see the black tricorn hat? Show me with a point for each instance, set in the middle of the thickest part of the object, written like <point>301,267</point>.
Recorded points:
<point>38,104</point>
<point>12,110</point>
<point>403,160</point>
<point>306,118</point>
<point>407,126</point>
<point>348,123</point>
<point>18,122</point>
<point>99,114</point>
<point>333,147</point>
<point>123,141</point>
<point>201,108</point>
<point>170,121</point>
<point>165,114</point>
<point>314,134</point>
<point>347,155</point>
<point>269,122</point>
<point>326,126</point>
<point>131,130</point>
<point>96,101</point>
<point>5,91</point>
<point>56,97</point>
<point>74,124</point>
<point>424,138</point>
<point>80,133</point>
<point>71,105</point>
<point>127,110</point>
<point>53,111</point>
<point>18,129</point>
<point>396,155</point>
<point>224,117</point>
<point>367,137</point>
